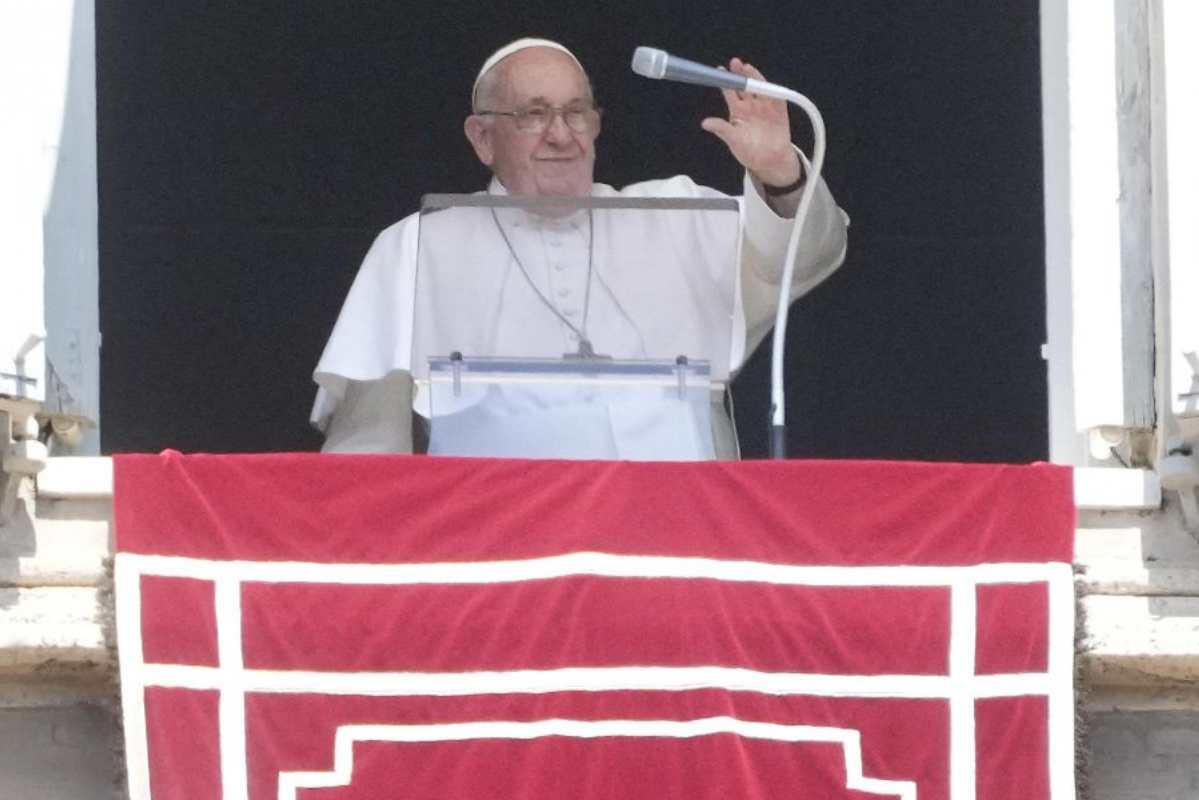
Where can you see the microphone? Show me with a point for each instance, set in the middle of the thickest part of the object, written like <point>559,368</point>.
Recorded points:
<point>650,62</point>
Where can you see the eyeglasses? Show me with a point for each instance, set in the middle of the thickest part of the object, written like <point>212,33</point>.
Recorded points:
<point>579,117</point>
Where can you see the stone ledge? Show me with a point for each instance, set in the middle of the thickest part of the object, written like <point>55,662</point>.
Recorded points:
<point>1097,488</point>
<point>1107,698</point>
<point>1141,641</point>
<point>58,552</point>
<point>51,630</point>
<point>76,477</point>
<point>1094,487</point>
<point>1117,578</point>
<point>1140,573</point>
<point>1137,553</point>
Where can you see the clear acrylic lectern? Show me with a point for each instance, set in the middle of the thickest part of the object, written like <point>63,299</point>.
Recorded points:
<point>596,327</point>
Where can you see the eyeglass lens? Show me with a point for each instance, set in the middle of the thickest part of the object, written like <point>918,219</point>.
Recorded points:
<point>579,118</point>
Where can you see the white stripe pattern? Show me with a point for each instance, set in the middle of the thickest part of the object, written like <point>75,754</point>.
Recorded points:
<point>592,679</point>
<point>962,641</point>
<point>234,779</point>
<point>599,564</point>
<point>961,687</point>
<point>347,736</point>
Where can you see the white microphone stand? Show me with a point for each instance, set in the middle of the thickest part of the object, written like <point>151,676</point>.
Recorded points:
<point>658,65</point>
<point>778,412</point>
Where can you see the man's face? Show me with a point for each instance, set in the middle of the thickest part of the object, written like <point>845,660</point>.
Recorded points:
<point>556,161</point>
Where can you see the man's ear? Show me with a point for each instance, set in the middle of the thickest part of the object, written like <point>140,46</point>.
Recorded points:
<point>479,134</point>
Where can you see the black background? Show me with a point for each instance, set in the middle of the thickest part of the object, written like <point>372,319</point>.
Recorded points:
<point>249,154</point>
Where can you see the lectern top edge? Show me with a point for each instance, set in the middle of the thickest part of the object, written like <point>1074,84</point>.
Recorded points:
<point>438,202</point>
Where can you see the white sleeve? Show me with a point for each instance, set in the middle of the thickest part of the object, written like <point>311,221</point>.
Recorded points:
<point>764,246</point>
<point>373,334</point>
<point>372,417</point>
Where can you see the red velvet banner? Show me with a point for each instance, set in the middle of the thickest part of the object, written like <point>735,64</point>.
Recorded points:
<point>316,627</point>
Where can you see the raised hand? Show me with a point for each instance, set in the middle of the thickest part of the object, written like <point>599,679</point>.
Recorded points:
<point>757,132</point>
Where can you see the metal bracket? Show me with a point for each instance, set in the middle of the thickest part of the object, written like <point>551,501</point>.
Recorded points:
<point>681,373</point>
<point>456,371</point>
<point>20,380</point>
<point>1179,472</point>
<point>22,455</point>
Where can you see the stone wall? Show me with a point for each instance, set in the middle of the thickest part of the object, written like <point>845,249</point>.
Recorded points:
<point>63,748</point>
<point>59,732</point>
<point>1145,755</point>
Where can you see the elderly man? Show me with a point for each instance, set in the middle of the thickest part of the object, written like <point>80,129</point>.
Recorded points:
<point>534,125</point>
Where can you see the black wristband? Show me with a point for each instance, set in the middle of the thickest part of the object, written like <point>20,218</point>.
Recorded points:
<point>779,191</point>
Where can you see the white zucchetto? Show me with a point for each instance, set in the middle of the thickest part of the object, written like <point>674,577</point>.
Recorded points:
<point>511,48</point>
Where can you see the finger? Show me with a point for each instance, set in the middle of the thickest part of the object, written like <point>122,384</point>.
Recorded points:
<point>775,106</point>
<point>737,66</point>
<point>739,105</point>
<point>749,71</point>
<point>753,72</point>
<point>722,129</point>
<point>730,97</point>
<point>771,105</point>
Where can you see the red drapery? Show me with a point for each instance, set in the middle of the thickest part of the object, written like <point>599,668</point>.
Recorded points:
<point>373,626</point>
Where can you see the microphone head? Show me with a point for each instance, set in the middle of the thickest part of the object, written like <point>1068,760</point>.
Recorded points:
<point>650,62</point>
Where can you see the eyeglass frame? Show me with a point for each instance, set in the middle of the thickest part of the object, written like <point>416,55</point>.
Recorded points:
<point>554,112</point>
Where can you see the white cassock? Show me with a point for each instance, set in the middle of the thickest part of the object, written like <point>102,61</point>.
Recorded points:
<point>589,275</point>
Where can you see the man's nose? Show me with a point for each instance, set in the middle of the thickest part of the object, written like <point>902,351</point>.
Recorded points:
<point>558,131</point>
